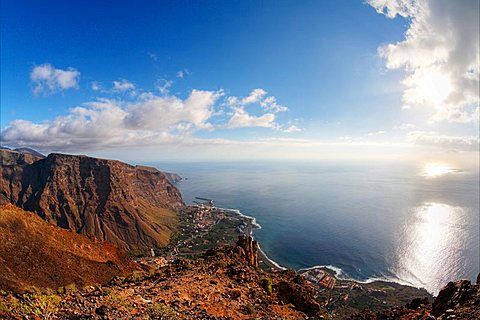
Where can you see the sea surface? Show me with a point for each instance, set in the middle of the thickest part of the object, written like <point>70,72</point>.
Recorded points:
<point>400,222</point>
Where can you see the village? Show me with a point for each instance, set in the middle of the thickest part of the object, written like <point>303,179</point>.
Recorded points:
<point>319,278</point>
<point>202,226</point>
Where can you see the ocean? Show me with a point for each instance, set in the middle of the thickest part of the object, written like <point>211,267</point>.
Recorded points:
<point>398,222</point>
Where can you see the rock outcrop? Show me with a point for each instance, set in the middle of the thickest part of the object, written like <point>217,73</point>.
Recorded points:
<point>457,300</point>
<point>128,206</point>
<point>460,298</point>
<point>248,249</point>
<point>34,254</point>
<point>299,293</point>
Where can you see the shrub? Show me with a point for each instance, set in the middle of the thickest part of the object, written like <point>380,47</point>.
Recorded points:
<point>38,305</point>
<point>160,311</point>
<point>266,284</point>
<point>119,300</point>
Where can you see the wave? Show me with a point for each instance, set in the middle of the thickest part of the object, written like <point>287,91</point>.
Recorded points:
<point>253,220</point>
<point>340,274</point>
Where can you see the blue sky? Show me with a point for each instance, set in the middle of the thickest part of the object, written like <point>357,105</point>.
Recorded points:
<point>323,70</point>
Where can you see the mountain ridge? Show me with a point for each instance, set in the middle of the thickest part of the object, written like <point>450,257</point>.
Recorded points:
<point>113,201</point>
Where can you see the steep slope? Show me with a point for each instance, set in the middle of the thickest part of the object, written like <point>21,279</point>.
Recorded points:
<point>128,206</point>
<point>12,165</point>
<point>34,253</point>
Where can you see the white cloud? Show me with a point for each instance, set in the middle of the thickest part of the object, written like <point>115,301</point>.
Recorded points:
<point>106,123</point>
<point>46,79</point>
<point>268,103</point>
<point>182,73</point>
<point>465,143</point>
<point>164,85</point>
<point>255,96</point>
<point>292,128</point>
<point>241,119</point>
<point>142,119</point>
<point>167,113</point>
<point>440,54</point>
<point>95,86</point>
<point>122,85</point>
<point>376,133</point>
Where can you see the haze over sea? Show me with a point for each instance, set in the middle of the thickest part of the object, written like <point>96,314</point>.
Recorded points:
<point>406,223</point>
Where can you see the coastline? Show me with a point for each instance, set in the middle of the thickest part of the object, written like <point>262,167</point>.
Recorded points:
<point>252,224</point>
<point>338,273</point>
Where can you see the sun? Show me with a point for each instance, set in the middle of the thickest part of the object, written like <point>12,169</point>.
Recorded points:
<point>434,87</point>
<point>433,170</point>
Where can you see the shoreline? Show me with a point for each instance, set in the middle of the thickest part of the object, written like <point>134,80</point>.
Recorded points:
<point>339,274</point>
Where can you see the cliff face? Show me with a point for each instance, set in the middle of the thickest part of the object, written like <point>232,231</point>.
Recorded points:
<point>34,253</point>
<point>128,206</point>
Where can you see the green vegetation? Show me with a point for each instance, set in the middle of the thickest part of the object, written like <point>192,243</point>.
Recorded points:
<point>136,276</point>
<point>266,284</point>
<point>31,304</point>
<point>161,311</point>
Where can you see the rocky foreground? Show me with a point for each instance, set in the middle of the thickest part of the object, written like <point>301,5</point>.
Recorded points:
<point>457,300</point>
<point>223,283</point>
<point>220,285</point>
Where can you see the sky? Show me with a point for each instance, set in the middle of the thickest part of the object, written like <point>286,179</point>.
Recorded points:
<point>242,80</point>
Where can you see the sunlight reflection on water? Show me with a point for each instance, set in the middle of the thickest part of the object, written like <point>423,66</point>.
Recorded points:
<point>432,245</point>
<point>433,170</point>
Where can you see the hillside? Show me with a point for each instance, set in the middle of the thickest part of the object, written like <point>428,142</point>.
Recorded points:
<point>220,285</point>
<point>128,206</point>
<point>224,283</point>
<point>36,254</point>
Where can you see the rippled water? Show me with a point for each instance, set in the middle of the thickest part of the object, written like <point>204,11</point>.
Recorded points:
<point>371,220</point>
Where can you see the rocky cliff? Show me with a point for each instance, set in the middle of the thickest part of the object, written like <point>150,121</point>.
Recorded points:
<point>128,206</point>
<point>34,254</point>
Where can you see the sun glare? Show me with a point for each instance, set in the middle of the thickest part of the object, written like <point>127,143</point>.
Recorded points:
<point>434,87</point>
<point>436,169</point>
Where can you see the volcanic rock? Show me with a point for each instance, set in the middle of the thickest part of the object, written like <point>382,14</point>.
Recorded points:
<point>248,249</point>
<point>128,206</point>
<point>455,295</point>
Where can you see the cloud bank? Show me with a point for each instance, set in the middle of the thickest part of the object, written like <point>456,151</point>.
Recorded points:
<point>464,143</point>
<point>145,119</point>
<point>440,54</point>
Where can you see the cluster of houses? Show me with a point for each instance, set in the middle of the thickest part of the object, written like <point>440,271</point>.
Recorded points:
<point>320,277</point>
<point>206,215</point>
